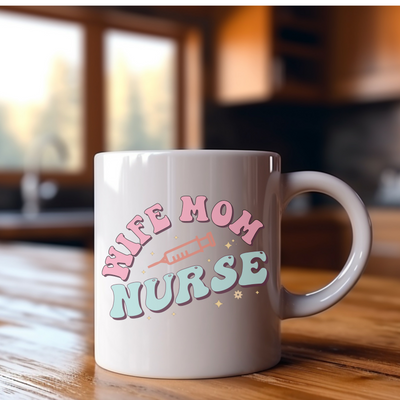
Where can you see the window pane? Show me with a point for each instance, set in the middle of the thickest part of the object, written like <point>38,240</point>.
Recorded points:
<point>40,93</point>
<point>141,91</point>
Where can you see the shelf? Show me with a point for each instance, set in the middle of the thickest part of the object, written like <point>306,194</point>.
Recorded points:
<point>292,22</point>
<point>298,47</point>
<point>297,50</point>
<point>298,90</point>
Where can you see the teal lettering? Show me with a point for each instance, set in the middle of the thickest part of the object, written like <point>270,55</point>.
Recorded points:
<point>126,301</point>
<point>229,275</point>
<point>152,302</point>
<point>250,263</point>
<point>191,277</point>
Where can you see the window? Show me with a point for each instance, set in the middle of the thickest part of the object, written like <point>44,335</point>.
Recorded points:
<point>40,93</point>
<point>140,91</point>
<point>75,81</point>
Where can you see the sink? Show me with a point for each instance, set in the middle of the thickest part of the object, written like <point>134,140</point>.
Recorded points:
<point>46,219</point>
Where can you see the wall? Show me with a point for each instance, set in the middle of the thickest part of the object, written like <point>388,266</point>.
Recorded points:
<point>353,142</point>
<point>362,141</point>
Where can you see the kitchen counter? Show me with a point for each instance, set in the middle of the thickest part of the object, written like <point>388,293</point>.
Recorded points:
<point>321,238</point>
<point>351,351</point>
<point>54,226</point>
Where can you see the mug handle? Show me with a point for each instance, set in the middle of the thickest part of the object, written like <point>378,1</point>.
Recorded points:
<point>294,305</point>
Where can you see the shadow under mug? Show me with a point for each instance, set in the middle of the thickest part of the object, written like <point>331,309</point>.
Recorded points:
<point>187,260</point>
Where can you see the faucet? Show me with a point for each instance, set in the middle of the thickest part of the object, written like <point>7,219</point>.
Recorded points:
<point>32,190</point>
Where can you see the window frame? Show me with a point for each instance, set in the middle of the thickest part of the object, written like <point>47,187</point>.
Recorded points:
<point>95,21</point>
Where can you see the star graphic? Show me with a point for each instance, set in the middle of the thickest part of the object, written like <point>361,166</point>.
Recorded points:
<point>149,318</point>
<point>152,253</point>
<point>176,237</point>
<point>257,292</point>
<point>173,314</point>
<point>208,260</point>
<point>143,272</point>
<point>238,294</point>
<point>228,245</point>
<point>218,304</point>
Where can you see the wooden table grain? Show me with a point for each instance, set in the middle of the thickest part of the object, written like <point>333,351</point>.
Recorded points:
<point>351,351</point>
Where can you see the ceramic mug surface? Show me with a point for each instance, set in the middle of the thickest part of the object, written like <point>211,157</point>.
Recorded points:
<point>187,260</point>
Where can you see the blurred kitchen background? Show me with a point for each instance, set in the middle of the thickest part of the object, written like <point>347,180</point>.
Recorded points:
<point>319,85</point>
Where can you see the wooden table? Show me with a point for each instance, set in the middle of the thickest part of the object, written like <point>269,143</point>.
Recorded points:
<point>351,351</point>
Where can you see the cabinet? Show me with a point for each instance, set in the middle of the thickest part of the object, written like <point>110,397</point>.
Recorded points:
<point>264,52</point>
<point>364,53</point>
<point>330,54</point>
<point>243,55</point>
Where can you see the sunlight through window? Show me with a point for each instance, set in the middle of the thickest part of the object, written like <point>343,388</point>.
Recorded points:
<point>41,99</point>
<point>141,91</point>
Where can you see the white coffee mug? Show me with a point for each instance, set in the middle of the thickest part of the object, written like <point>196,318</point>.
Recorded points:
<point>187,260</point>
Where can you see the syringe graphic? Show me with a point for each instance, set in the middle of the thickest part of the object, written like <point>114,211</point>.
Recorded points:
<point>186,250</point>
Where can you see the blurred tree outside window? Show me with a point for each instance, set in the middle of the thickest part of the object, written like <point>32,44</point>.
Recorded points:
<point>140,91</point>
<point>40,91</point>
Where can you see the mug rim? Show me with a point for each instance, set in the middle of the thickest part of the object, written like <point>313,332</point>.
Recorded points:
<point>191,152</point>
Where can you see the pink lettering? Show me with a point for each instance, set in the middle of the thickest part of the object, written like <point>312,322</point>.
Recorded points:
<point>159,224</point>
<point>189,208</point>
<point>135,226</point>
<point>220,219</point>
<point>133,247</point>
<point>115,260</point>
<point>243,223</point>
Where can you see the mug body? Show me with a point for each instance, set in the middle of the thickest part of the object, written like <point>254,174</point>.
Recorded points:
<point>187,262</point>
